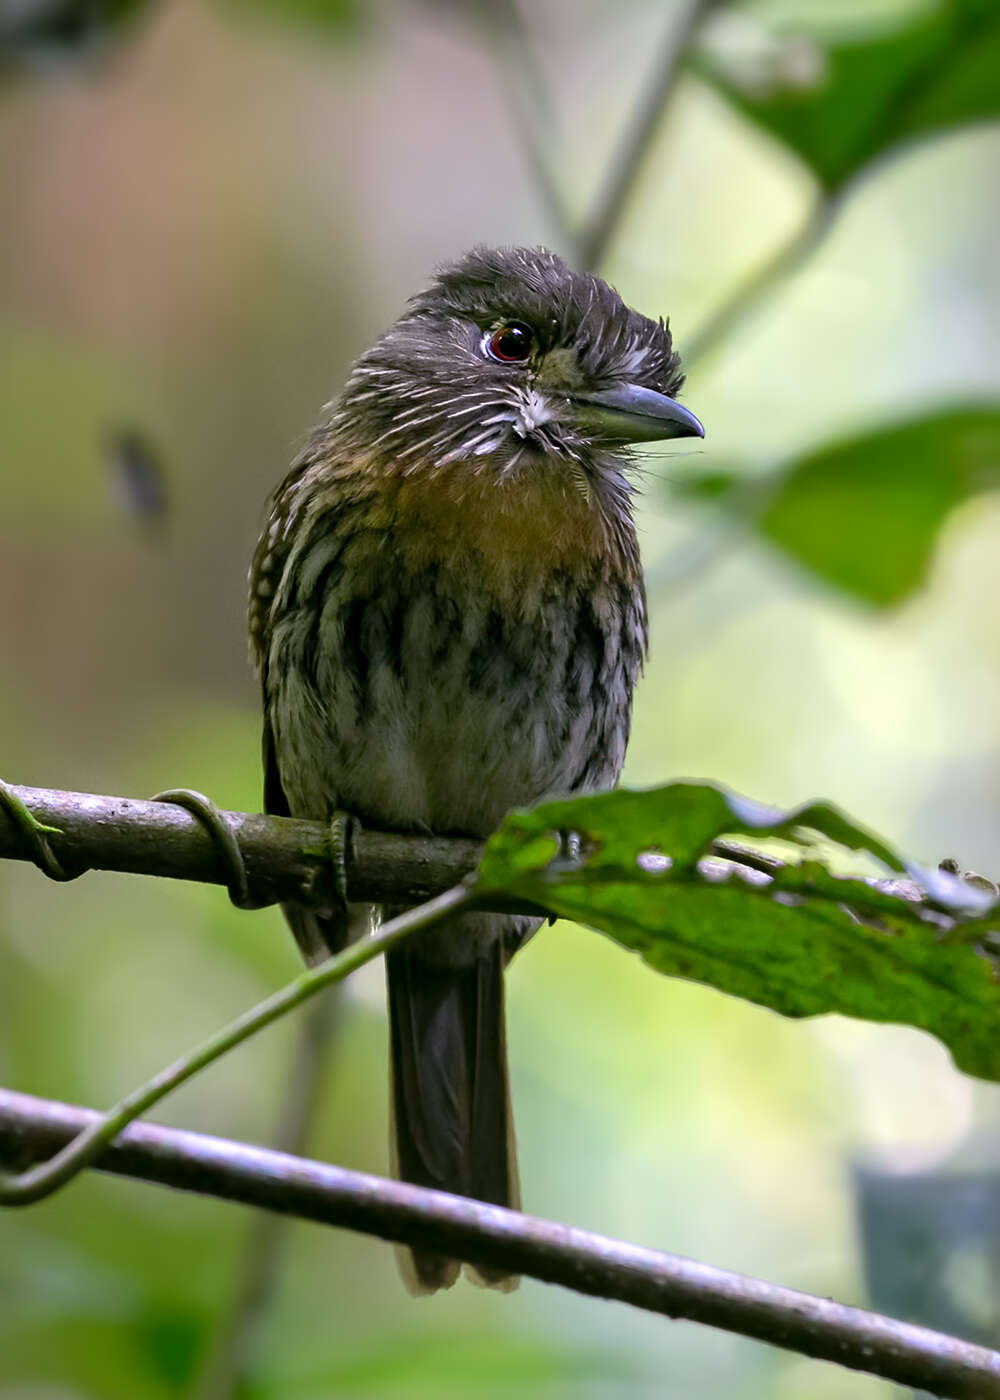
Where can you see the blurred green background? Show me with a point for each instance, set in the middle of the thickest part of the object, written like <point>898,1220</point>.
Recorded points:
<point>204,217</point>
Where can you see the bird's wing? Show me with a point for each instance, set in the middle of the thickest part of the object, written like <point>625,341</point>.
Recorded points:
<point>317,934</point>
<point>268,565</point>
<point>266,569</point>
<point>275,801</point>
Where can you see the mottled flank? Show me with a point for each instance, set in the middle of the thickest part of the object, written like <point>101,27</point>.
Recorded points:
<point>448,618</point>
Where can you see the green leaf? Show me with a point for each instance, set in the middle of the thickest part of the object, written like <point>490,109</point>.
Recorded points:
<point>801,941</point>
<point>171,1341</point>
<point>336,18</point>
<point>864,514</point>
<point>707,487</point>
<point>841,102</point>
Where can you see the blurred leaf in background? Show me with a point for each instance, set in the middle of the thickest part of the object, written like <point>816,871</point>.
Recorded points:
<point>332,19</point>
<point>864,515</point>
<point>841,98</point>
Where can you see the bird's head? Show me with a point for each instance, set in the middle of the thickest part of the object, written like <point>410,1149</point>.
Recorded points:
<point>509,361</point>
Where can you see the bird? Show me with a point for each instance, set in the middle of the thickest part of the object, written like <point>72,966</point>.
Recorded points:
<point>448,619</point>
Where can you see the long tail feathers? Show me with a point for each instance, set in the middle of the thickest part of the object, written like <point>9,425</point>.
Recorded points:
<point>452,1126</point>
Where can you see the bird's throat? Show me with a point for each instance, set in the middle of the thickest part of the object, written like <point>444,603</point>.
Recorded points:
<point>512,532</point>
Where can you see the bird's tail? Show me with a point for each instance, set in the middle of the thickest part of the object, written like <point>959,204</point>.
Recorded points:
<point>451,1120</point>
<point>319,935</point>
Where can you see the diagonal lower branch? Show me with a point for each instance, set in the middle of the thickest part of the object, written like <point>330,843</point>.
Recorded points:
<point>504,1239</point>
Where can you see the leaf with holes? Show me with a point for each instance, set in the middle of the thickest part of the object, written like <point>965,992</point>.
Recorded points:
<point>800,940</point>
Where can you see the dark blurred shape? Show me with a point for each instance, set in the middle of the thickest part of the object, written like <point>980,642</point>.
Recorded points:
<point>137,478</point>
<point>931,1248</point>
<point>840,102</point>
<point>170,1340</point>
<point>39,34</point>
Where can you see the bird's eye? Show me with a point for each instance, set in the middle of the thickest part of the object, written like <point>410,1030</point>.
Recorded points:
<point>511,343</point>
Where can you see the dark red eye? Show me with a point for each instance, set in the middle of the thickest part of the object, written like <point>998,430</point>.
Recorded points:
<point>511,343</point>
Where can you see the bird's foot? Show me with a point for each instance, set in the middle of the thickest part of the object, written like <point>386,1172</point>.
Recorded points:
<point>570,855</point>
<point>341,829</point>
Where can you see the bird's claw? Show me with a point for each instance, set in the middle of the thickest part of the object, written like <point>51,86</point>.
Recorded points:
<point>341,829</point>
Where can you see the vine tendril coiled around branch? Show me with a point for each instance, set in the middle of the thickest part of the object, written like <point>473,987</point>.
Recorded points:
<point>225,841</point>
<point>36,837</point>
<point>36,1182</point>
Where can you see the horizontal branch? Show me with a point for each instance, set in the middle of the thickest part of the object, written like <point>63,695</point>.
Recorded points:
<point>503,1239</point>
<point>285,859</point>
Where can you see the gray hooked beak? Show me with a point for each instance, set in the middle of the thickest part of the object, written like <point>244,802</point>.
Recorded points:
<point>630,413</point>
